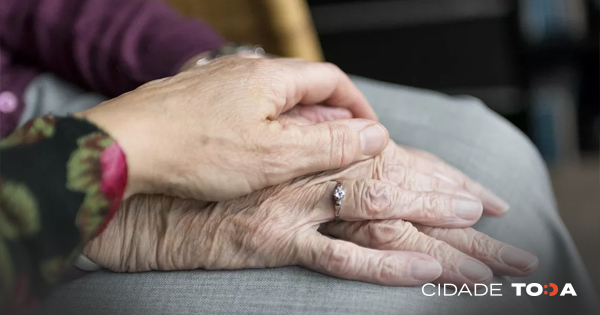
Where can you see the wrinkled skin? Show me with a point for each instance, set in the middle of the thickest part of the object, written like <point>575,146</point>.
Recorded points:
<point>211,133</point>
<point>400,208</point>
<point>413,168</point>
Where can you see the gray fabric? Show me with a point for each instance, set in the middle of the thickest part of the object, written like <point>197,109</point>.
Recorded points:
<point>48,94</point>
<point>290,290</point>
<point>460,130</point>
<point>468,135</point>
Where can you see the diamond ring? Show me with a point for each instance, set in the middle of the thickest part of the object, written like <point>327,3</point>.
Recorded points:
<point>338,195</point>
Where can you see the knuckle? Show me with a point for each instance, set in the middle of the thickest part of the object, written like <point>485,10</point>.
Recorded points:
<point>343,145</point>
<point>433,204</point>
<point>389,268</point>
<point>402,235</point>
<point>383,235</point>
<point>395,173</point>
<point>375,199</point>
<point>410,237</point>
<point>379,234</point>
<point>480,246</point>
<point>433,247</point>
<point>416,240</point>
<point>411,200</point>
<point>437,248</point>
<point>338,260</point>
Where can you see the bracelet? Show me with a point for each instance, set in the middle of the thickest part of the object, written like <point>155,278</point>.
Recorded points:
<point>230,49</point>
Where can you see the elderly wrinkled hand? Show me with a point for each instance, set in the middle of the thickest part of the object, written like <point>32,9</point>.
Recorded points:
<point>273,227</point>
<point>212,133</point>
<point>414,169</point>
<point>408,231</point>
<point>418,170</point>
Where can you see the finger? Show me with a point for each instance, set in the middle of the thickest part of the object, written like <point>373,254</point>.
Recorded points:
<point>410,179</point>
<point>313,114</point>
<point>429,164</point>
<point>299,150</point>
<point>348,261</point>
<point>503,259</point>
<point>368,199</point>
<point>457,267</point>
<point>313,83</point>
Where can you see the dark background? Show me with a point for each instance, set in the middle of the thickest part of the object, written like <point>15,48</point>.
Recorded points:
<point>512,54</point>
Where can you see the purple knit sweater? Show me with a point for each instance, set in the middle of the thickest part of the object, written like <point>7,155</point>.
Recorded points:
<point>108,46</point>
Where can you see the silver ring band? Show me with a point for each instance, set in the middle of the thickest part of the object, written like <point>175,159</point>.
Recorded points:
<point>338,196</point>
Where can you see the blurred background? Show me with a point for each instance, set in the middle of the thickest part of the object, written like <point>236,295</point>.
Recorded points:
<point>536,62</point>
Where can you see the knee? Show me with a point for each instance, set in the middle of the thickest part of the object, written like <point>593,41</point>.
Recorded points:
<point>493,124</point>
<point>496,135</point>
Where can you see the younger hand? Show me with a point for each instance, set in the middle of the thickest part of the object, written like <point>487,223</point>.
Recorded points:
<point>212,133</point>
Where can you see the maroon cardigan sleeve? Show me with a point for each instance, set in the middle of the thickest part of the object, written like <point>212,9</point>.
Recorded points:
<point>109,46</point>
<point>14,79</point>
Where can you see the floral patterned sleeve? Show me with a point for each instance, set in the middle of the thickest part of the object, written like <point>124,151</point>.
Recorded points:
<point>61,181</point>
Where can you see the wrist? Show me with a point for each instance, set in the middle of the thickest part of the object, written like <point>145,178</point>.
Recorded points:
<point>120,155</point>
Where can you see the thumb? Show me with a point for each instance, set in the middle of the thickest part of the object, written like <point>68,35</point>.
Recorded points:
<point>340,143</point>
<point>330,145</point>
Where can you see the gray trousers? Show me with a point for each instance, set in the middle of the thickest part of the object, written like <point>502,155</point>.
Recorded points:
<point>461,130</point>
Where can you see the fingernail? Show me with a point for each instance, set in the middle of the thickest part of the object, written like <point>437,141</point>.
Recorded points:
<point>467,209</point>
<point>425,270</point>
<point>493,202</point>
<point>474,270</point>
<point>373,139</point>
<point>518,258</point>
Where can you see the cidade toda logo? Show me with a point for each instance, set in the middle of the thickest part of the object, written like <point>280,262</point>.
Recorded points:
<point>495,289</point>
<point>536,289</point>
